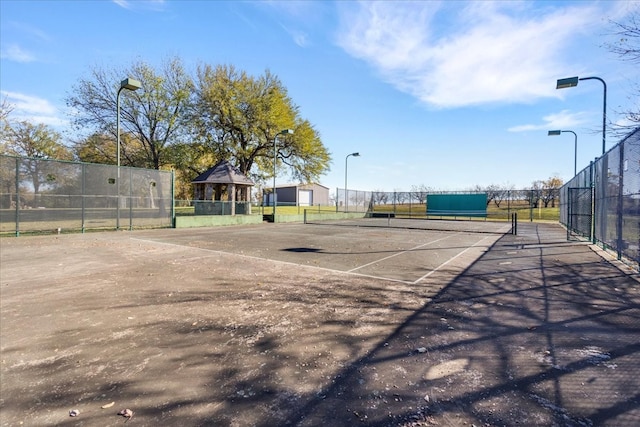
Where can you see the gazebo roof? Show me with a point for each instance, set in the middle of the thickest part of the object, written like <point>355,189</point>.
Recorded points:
<point>222,173</point>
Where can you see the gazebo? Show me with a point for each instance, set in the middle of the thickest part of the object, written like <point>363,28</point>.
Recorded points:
<point>218,181</point>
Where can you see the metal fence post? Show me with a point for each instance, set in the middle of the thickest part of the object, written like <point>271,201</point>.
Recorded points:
<point>173,199</point>
<point>620,240</point>
<point>130,199</point>
<point>83,173</point>
<point>531,205</point>
<point>17,197</point>
<point>592,175</point>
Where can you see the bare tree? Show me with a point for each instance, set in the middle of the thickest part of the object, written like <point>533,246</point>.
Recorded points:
<point>5,110</point>
<point>151,118</point>
<point>627,44</point>
<point>535,193</point>
<point>400,196</point>
<point>499,196</point>
<point>379,197</point>
<point>550,191</point>
<point>492,192</point>
<point>627,47</point>
<point>501,193</point>
<point>419,192</point>
<point>506,193</point>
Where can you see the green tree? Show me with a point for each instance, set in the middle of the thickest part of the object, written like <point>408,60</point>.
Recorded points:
<point>151,117</point>
<point>238,117</point>
<point>101,148</point>
<point>5,110</point>
<point>189,160</point>
<point>7,172</point>
<point>37,143</point>
<point>96,148</point>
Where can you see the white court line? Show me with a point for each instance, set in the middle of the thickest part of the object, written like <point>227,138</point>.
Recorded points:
<point>449,260</point>
<point>331,270</point>
<point>312,267</point>
<point>397,253</point>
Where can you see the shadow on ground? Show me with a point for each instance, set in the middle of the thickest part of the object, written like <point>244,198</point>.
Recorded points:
<point>537,331</point>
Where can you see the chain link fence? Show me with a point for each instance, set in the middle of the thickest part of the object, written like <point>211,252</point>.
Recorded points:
<point>41,195</point>
<point>353,200</point>
<point>602,202</point>
<point>530,204</point>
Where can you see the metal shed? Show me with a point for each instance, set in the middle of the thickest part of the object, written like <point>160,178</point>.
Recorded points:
<point>300,195</point>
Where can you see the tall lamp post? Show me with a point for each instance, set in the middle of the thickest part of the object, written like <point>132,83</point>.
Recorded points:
<point>129,84</point>
<point>275,158</point>
<point>575,144</point>
<point>572,82</point>
<point>346,199</point>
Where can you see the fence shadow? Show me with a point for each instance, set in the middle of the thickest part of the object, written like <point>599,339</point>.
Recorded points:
<point>548,338</point>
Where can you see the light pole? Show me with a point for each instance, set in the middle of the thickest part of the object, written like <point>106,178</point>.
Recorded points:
<point>275,158</point>
<point>346,199</point>
<point>575,144</point>
<point>572,82</point>
<point>129,84</point>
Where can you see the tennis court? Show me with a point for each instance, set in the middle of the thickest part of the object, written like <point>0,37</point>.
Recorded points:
<point>317,324</point>
<point>404,250</point>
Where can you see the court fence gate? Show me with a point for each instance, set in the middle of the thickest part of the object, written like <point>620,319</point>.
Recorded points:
<point>580,215</point>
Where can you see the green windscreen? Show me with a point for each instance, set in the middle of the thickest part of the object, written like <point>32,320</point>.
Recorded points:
<point>458,204</point>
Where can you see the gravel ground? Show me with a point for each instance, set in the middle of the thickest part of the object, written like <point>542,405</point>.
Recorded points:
<point>533,331</point>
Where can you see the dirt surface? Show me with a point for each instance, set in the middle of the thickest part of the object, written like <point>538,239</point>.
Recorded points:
<point>269,326</point>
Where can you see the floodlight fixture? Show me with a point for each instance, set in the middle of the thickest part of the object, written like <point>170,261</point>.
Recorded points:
<point>572,82</point>
<point>130,84</point>
<point>568,82</point>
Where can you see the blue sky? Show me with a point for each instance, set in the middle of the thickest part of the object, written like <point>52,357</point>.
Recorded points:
<point>447,94</point>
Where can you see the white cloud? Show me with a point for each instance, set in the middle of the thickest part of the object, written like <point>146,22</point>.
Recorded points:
<point>17,54</point>
<point>498,51</point>
<point>562,120</point>
<point>28,35</point>
<point>157,5</point>
<point>300,38</point>
<point>123,3</point>
<point>297,18</point>
<point>29,31</point>
<point>32,109</point>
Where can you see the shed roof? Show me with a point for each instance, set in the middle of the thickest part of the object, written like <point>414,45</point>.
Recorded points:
<point>222,173</point>
<point>302,186</point>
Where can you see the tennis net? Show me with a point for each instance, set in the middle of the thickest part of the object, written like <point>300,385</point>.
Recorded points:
<point>452,222</point>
